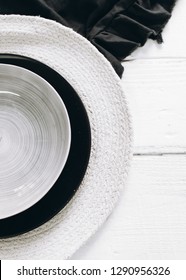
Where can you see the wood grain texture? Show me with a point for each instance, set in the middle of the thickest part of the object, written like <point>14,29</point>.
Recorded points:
<point>156,92</point>
<point>150,220</point>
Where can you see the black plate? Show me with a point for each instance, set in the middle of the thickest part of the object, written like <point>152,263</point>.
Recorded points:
<point>75,167</point>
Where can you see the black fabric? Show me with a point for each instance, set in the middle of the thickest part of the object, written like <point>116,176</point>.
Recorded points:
<point>115,27</point>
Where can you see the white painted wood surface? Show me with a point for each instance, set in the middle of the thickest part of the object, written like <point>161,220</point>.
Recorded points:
<point>149,221</point>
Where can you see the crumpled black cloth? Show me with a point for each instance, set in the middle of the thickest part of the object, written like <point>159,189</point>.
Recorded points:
<point>115,27</point>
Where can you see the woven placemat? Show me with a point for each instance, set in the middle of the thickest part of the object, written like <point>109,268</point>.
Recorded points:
<point>99,88</point>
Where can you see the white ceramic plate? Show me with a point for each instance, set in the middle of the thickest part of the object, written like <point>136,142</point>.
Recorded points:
<point>35,138</point>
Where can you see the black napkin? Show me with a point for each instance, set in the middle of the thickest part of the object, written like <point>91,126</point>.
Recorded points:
<point>115,27</point>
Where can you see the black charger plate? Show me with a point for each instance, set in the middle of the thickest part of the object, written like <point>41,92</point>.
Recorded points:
<point>76,165</point>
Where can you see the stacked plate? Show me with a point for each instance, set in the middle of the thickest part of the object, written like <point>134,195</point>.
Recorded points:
<point>44,143</point>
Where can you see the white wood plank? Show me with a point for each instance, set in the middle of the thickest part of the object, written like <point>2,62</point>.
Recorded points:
<point>156,92</point>
<point>150,220</point>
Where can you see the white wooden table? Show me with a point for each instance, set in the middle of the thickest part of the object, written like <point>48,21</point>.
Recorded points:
<point>149,221</point>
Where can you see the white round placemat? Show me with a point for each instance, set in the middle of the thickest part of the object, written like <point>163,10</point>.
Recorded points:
<point>99,87</point>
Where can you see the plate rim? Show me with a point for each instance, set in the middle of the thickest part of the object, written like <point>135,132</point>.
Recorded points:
<point>15,225</point>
